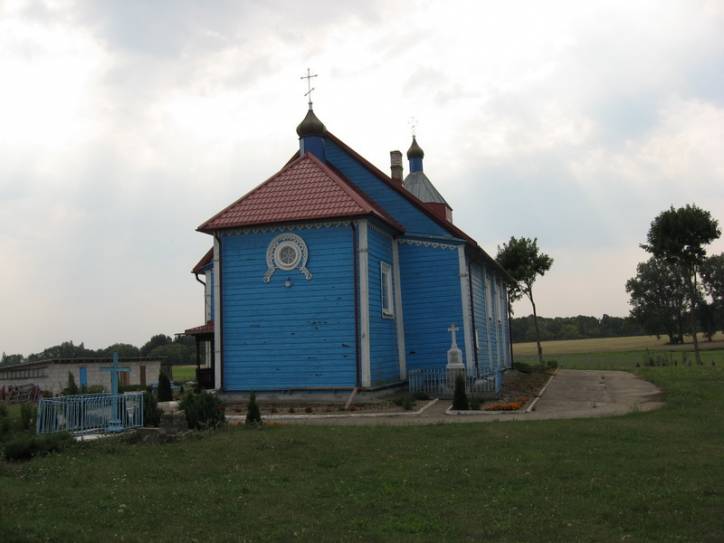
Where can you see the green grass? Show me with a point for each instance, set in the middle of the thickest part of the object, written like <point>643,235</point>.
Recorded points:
<point>625,360</point>
<point>184,373</point>
<point>655,476</point>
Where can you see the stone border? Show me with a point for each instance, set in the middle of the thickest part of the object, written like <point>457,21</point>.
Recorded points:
<point>540,394</point>
<point>272,418</point>
<point>522,410</point>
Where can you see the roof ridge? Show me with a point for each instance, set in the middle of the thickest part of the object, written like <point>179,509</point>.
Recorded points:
<point>451,228</point>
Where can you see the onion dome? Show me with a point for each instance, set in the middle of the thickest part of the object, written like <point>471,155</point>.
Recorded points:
<point>311,125</point>
<point>415,151</point>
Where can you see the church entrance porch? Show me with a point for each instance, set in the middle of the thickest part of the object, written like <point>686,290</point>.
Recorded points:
<point>205,365</point>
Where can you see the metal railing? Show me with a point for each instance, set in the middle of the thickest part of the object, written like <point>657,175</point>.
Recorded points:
<point>440,382</point>
<point>90,413</point>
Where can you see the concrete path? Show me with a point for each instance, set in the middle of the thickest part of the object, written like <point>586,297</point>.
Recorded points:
<point>570,394</point>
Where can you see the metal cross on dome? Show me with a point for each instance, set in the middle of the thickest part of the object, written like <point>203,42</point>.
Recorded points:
<point>412,121</point>
<point>309,77</point>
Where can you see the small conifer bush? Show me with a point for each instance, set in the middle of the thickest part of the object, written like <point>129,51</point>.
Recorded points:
<point>151,412</point>
<point>71,389</point>
<point>203,410</point>
<point>460,398</point>
<point>253,415</point>
<point>164,388</point>
<point>28,413</point>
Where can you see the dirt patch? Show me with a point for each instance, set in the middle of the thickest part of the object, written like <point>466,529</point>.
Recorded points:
<point>392,405</point>
<point>518,390</point>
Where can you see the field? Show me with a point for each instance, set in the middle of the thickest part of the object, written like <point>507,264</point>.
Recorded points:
<point>655,476</point>
<point>620,353</point>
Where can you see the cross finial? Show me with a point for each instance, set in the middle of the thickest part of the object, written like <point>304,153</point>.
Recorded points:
<point>309,77</point>
<point>412,121</point>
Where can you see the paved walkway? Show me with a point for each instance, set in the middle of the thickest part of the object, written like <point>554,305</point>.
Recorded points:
<point>570,394</point>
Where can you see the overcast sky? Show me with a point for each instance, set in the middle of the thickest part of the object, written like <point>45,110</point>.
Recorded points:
<point>124,125</point>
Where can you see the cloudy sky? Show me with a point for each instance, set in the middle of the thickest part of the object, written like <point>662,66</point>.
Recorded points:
<point>124,125</point>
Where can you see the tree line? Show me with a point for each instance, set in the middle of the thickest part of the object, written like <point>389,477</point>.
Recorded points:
<point>579,327</point>
<point>180,350</point>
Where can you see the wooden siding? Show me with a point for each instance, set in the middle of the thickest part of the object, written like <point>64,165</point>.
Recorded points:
<point>396,205</point>
<point>431,299</point>
<point>277,338</point>
<point>384,362</point>
<point>481,320</point>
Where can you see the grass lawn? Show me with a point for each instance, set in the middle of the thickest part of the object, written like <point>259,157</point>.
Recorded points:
<point>643,477</point>
<point>184,373</point>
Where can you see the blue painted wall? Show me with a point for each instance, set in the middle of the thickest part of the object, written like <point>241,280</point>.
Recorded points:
<point>396,205</point>
<point>431,300</point>
<point>281,338</point>
<point>481,320</point>
<point>384,362</point>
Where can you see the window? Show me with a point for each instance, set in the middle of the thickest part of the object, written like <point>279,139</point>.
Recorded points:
<point>386,289</point>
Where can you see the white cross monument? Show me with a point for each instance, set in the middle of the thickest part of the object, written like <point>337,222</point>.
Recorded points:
<point>454,354</point>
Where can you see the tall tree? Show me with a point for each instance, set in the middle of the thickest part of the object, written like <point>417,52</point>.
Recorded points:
<point>522,259</point>
<point>712,278</point>
<point>658,296</point>
<point>679,236</point>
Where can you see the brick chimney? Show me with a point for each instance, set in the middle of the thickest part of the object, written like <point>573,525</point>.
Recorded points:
<point>396,167</point>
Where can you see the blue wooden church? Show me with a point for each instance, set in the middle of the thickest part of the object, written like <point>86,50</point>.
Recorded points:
<point>332,275</point>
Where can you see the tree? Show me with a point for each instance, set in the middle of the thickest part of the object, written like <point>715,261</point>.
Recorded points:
<point>712,278</point>
<point>155,341</point>
<point>524,262</point>
<point>124,350</point>
<point>679,236</point>
<point>658,296</point>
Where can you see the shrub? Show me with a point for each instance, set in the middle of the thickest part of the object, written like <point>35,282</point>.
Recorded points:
<point>71,389</point>
<point>151,412</point>
<point>28,413</point>
<point>164,388</point>
<point>406,402</point>
<point>460,398</point>
<point>552,364</point>
<point>253,415</point>
<point>475,403</point>
<point>4,421</point>
<point>202,410</point>
<point>26,446</point>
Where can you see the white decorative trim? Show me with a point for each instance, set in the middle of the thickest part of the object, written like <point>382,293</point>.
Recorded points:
<point>364,304</point>
<point>467,310</point>
<point>432,244</point>
<point>274,260</point>
<point>217,316</point>
<point>284,228</point>
<point>399,324</point>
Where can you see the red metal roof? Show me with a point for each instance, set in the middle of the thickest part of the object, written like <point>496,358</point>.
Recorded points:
<point>207,328</point>
<point>208,257</point>
<point>305,189</point>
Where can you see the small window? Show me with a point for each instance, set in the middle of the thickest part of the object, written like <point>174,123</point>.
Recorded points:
<point>386,287</point>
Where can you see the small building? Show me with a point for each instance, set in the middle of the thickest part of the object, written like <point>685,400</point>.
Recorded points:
<point>332,275</point>
<point>51,375</point>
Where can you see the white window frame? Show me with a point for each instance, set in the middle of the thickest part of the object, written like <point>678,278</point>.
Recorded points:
<point>386,290</point>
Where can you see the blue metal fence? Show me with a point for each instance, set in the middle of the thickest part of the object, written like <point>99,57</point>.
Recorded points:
<point>90,413</point>
<point>440,382</point>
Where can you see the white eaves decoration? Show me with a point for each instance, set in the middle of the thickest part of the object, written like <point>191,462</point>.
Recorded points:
<point>287,252</point>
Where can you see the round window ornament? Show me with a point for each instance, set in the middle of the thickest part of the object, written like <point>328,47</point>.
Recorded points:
<point>287,252</point>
